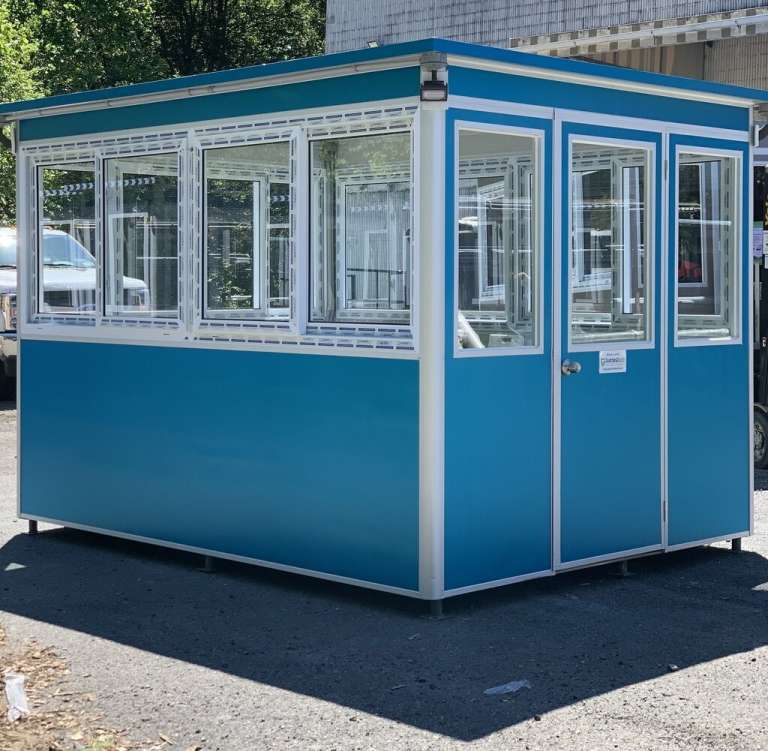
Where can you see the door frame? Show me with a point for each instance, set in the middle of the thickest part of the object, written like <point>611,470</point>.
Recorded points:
<point>629,132</point>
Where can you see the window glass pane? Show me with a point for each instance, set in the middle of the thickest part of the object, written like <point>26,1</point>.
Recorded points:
<point>247,231</point>
<point>142,255</point>
<point>706,246</point>
<point>610,269</point>
<point>67,239</point>
<point>361,229</point>
<point>497,241</point>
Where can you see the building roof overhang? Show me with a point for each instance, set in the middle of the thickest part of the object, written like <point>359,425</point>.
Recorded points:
<point>426,53</point>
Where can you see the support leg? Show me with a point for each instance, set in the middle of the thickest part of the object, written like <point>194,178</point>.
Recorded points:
<point>436,608</point>
<point>623,571</point>
<point>209,565</point>
<point>736,544</point>
<point>32,527</point>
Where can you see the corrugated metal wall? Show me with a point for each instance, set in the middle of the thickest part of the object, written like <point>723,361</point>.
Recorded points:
<point>740,61</point>
<point>352,23</point>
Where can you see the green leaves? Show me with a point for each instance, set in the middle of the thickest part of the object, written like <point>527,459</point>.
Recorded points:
<point>60,46</point>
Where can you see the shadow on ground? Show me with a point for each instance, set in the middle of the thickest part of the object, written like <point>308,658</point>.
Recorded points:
<point>572,637</point>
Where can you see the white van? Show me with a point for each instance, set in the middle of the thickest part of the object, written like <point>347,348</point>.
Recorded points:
<point>69,286</point>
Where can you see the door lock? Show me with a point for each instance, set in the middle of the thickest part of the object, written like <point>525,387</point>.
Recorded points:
<point>570,367</point>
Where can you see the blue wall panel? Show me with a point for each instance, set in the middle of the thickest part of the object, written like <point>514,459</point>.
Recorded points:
<point>498,512</point>
<point>498,424</point>
<point>547,93</point>
<point>304,460</point>
<point>325,92</point>
<point>709,407</point>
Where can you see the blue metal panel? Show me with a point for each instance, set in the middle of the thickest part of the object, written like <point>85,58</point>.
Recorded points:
<point>498,426</point>
<point>610,488</point>
<point>322,63</point>
<point>549,93</point>
<point>709,409</point>
<point>325,92</point>
<point>303,460</point>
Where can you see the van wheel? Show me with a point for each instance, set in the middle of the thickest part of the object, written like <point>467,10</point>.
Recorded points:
<point>761,440</point>
<point>7,386</point>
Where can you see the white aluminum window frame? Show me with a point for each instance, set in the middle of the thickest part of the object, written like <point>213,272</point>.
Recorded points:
<point>537,241</point>
<point>353,315</point>
<point>105,279</point>
<point>650,250</point>
<point>257,318</point>
<point>735,282</point>
<point>191,329</point>
<point>389,323</point>
<point>37,277</point>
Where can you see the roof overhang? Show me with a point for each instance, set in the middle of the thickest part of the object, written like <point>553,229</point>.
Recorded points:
<point>125,100</point>
<point>662,33</point>
<point>428,54</point>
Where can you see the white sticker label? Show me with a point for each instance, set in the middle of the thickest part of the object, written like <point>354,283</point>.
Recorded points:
<point>613,361</point>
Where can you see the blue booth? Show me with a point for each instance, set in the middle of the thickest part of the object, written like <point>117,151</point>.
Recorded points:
<point>427,318</point>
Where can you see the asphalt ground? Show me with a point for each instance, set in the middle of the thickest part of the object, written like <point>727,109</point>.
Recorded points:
<point>673,656</point>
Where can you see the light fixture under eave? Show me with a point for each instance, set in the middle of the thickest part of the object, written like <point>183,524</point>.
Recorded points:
<point>434,90</point>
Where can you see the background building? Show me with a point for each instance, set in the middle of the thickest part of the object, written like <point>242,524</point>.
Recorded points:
<point>710,39</point>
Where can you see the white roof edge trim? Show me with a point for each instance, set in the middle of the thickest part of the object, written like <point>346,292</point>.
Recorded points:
<point>598,80</point>
<point>220,88</point>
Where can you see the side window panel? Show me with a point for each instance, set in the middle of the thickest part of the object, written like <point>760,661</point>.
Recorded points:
<point>66,239</point>
<point>141,223</point>
<point>611,250</point>
<point>707,251</point>
<point>247,231</point>
<point>361,229</point>
<point>498,243</point>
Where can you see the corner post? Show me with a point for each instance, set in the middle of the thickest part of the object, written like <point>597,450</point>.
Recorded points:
<point>429,165</point>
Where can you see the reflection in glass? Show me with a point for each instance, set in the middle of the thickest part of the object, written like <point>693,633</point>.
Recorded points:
<point>497,240</point>
<point>610,273</point>
<point>247,231</point>
<point>142,235</point>
<point>706,246</point>
<point>67,237</point>
<point>361,229</point>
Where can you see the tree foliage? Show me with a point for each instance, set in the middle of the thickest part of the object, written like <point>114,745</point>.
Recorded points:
<point>207,35</point>
<point>19,79</point>
<point>59,46</point>
<point>89,44</point>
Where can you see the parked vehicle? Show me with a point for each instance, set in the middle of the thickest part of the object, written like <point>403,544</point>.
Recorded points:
<point>69,286</point>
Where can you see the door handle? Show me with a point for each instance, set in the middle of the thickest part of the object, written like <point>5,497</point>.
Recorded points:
<point>570,367</point>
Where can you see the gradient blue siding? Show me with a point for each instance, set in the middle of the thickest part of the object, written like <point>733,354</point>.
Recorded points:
<point>709,408</point>
<point>303,460</point>
<point>324,92</point>
<point>610,498</point>
<point>611,101</point>
<point>498,426</point>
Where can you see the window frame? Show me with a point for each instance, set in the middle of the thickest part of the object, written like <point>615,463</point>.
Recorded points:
<point>223,321</point>
<point>538,136</point>
<point>132,319</point>
<point>651,252</point>
<point>389,323</point>
<point>735,299</point>
<point>36,280</point>
<point>190,329</point>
